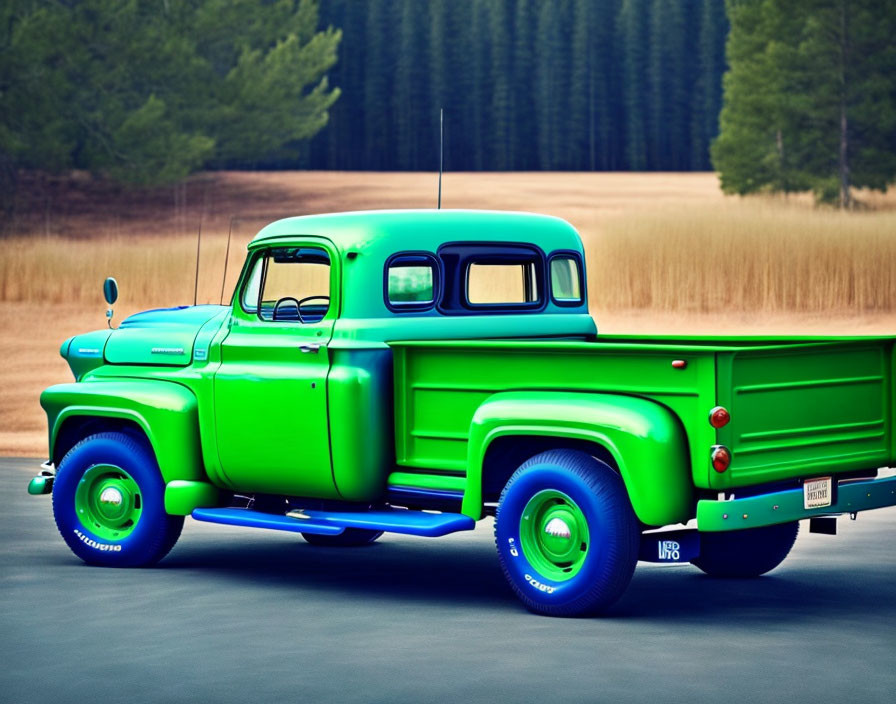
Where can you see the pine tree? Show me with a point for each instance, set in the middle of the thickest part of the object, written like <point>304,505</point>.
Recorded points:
<point>552,80</point>
<point>524,135</point>
<point>706,98</point>
<point>581,137</point>
<point>593,57</point>
<point>667,79</point>
<point>378,84</point>
<point>145,92</point>
<point>632,29</point>
<point>810,98</point>
<point>756,142</point>
<point>501,32</point>
<point>845,64</point>
<point>414,123</point>
<point>452,81</point>
<point>340,145</point>
<point>480,99</point>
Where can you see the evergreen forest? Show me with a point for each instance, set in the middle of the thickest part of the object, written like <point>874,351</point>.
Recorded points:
<point>775,95</point>
<point>524,84</point>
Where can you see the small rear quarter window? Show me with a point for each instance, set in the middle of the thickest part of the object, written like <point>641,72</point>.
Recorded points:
<point>566,280</point>
<point>411,281</point>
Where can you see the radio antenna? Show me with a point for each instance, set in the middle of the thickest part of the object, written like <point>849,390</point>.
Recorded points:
<point>196,282</point>
<point>441,150</point>
<point>226,258</point>
<point>199,242</point>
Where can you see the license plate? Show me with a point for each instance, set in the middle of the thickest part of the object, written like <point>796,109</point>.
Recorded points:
<point>818,493</point>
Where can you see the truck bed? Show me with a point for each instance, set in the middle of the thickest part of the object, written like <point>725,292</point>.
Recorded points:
<point>799,406</point>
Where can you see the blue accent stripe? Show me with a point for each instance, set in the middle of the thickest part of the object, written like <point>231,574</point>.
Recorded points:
<point>256,519</point>
<point>430,525</point>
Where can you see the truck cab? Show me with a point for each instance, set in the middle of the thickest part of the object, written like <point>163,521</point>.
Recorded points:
<point>307,364</point>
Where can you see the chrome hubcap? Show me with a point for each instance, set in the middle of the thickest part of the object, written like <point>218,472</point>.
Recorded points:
<point>111,497</point>
<point>557,528</point>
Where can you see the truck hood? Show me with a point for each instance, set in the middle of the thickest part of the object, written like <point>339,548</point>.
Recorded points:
<point>164,336</point>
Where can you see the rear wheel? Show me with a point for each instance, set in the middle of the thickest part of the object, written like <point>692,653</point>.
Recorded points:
<point>566,535</point>
<point>109,502</point>
<point>746,553</point>
<point>349,538</point>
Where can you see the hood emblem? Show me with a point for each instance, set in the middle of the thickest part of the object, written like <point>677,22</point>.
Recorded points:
<point>167,350</point>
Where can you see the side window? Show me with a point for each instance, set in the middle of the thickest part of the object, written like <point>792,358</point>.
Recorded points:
<point>411,281</point>
<point>511,283</point>
<point>566,280</point>
<point>289,284</point>
<point>249,296</point>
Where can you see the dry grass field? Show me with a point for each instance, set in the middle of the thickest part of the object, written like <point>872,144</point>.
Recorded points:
<point>666,253</point>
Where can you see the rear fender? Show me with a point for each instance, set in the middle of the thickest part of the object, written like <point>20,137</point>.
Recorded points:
<point>646,441</point>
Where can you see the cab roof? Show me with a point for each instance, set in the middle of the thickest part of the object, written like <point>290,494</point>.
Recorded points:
<point>395,230</point>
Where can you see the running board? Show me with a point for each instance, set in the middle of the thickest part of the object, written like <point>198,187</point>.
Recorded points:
<point>428,525</point>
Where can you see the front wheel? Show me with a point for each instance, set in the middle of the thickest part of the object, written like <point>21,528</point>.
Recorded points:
<point>566,534</point>
<point>746,553</point>
<point>109,502</point>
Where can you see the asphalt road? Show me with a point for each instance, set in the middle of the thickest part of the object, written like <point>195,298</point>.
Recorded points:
<point>234,614</point>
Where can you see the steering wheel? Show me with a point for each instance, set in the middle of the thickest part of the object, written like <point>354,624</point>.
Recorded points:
<point>310,298</point>
<point>283,300</point>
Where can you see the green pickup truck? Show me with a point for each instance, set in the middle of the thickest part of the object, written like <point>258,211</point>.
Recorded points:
<point>417,371</point>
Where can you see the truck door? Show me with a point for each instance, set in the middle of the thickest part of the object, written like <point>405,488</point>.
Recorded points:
<point>271,388</point>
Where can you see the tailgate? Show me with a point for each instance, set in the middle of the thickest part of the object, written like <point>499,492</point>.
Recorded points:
<point>807,409</point>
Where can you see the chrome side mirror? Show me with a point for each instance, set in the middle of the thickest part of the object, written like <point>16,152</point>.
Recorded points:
<point>110,290</point>
<point>110,293</point>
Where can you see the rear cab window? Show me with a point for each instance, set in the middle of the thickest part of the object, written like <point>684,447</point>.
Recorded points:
<point>501,284</point>
<point>475,278</point>
<point>483,278</point>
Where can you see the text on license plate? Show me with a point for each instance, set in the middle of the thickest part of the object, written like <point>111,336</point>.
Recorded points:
<point>818,492</point>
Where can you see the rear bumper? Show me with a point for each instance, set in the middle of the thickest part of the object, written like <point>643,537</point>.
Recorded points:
<point>786,506</point>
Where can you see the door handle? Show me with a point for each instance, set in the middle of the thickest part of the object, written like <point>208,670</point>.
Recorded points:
<point>313,348</point>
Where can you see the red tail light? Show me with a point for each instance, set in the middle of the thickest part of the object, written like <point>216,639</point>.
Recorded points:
<point>719,417</point>
<point>721,458</point>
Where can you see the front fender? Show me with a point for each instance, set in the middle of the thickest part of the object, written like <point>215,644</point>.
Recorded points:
<point>645,439</point>
<point>165,411</point>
